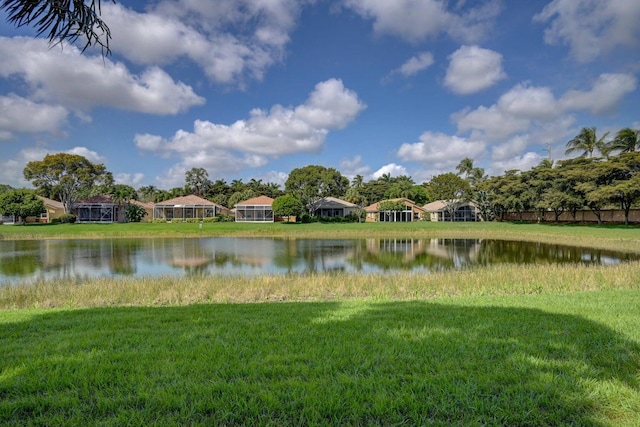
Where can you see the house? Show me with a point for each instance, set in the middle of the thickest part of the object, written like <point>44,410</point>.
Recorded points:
<point>409,213</point>
<point>187,207</point>
<point>256,209</point>
<point>452,210</point>
<point>332,206</point>
<point>104,208</point>
<point>54,210</point>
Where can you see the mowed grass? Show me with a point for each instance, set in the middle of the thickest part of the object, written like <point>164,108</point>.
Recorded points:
<point>502,345</point>
<point>510,360</point>
<point>602,236</point>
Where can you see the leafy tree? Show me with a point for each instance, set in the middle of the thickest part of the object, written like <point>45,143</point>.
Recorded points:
<point>63,20</point>
<point>311,183</point>
<point>357,181</point>
<point>5,188</point>
<point>197,181</point>
<point>626,140</point>
<point>21,204</point>
<point>586,142</point>
<point>287,205</point>
<point>392,205</point>
<point>66,175</point>
<point>134,213</point>
<point>147,193</point>
<point>448,186</point>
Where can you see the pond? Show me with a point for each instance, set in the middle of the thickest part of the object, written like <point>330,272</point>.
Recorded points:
<point>28,261</point>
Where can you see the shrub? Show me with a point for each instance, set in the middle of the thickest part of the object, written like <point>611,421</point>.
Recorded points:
<point>134,213</point>
<point>225,218</point>
<point>67,218</point>
<point>211,219</point>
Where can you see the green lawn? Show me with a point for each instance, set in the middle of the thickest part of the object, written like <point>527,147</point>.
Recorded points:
<point>521,360</point>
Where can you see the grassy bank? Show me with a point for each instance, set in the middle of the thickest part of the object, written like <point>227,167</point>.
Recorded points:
<point>606,237</point>
<point>510,360</point>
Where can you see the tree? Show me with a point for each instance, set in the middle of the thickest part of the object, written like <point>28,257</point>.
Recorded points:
<point>21,204</point>
<point>626,140</point>
<point>134,213</point>
<point>465,167</point>
<point>66,175</point>
<point>357,181</point>
<point>147,193</point>
<point>287,205</point>
<point>64,20</point>
<point>5,188</point>
<point>587,142</point>
<point>197,181</point>
<point>311,183</point>
<point>448,186</point>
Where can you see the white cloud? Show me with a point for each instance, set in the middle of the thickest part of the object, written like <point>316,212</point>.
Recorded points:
<point>591,27</point>
<point>90,155</point>
<point>352,167</point>
<point>472,69</point>
<point>415,20</point>
<point>523,163</point>
<point>79,81</point>
<point>438,150</point>
<point>200,31</point>
<point>279,131</point>
<point>605,94</point>
<point>415,64</point>
<point>391,169</point>
<point>21,115</point>
<point>524,106</point>
<point>134,180</point>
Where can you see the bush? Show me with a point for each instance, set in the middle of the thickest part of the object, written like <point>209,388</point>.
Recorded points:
<point>134,213</point>
<point>225,218</point>
<point>211,219</point>
<point>67,218</point>
<point>305,218</point>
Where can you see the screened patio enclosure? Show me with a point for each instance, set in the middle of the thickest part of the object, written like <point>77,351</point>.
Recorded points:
<point>257,209</point>
<point>186,207</point>
<point>96,212</point>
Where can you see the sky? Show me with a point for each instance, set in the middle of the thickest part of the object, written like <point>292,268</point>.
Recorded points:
<point>252,89</point>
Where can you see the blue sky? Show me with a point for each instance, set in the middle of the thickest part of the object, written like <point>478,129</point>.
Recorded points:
<point>255,88</point>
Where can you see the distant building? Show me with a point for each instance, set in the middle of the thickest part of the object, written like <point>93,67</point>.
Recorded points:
<point>452,210</point>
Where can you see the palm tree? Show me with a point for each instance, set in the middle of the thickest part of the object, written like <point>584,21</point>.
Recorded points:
<point>587,142</point>
<point>626,141</point>
<point>545,163</point>
<point>357,182</point>
<point>465,167</point>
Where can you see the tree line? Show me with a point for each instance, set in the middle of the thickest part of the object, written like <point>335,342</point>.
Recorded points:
<point>584,182</point>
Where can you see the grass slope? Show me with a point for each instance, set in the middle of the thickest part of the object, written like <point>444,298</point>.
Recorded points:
<point>534,360</point>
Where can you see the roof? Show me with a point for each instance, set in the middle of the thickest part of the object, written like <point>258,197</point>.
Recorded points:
<point>327,202</point>
<point>103,199</point>
<point>439,205</point>
<point>52,203</point>
<point>375,207</point>
<point>190,200</point>
<point>257,201</point>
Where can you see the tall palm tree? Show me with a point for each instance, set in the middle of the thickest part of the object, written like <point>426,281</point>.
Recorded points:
<point>626,140</point>
<point>587,142</point>
<point>465,167</point>
<point>357,181</point>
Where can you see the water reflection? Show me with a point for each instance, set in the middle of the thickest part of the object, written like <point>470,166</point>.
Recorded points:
<point>52,259</point>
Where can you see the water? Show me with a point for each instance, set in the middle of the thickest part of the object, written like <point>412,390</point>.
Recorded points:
<point>28,261</point>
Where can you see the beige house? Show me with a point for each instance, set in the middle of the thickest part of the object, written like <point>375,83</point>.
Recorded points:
<point>452,210</point>
<point>332,206</point>
<point>256,209</point>
<point>187,207</point>
<point>410,213</point>
<point>54,210</point>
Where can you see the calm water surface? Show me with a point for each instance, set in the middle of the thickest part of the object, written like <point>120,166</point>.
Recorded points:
<point>27,261</point>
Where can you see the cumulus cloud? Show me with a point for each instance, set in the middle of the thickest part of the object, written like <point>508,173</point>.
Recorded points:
<point>278,131</point>
<point>392,169</point>
<point>352,167</point>
<point>416,20</point>
<point>591,27</point>
<point>21,115</point>
<point>523,162</point>
<point>439,150</point>
<point>415,64</point>
<point>472,69</point>
<point>134,180</point>
<point>81,82</point>
<point>524,105</point>
<point>199,30</point>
